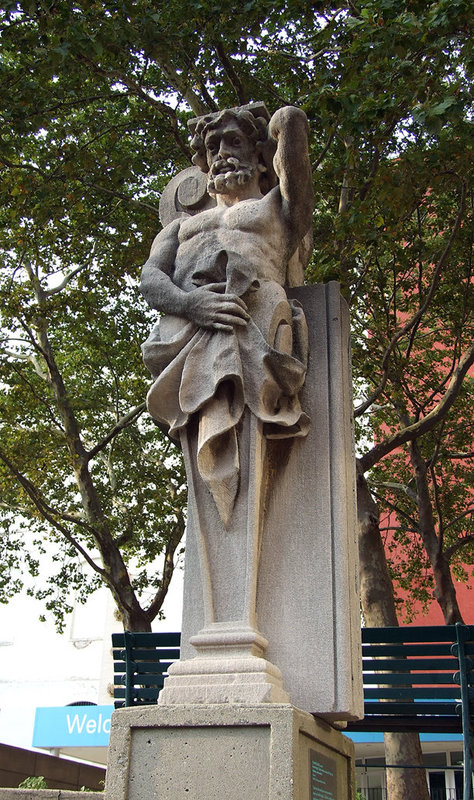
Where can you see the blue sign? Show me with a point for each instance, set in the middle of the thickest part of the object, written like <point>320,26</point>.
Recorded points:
<point>72,726</point>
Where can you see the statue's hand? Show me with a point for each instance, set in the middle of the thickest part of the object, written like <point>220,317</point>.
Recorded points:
<point>210,307</point>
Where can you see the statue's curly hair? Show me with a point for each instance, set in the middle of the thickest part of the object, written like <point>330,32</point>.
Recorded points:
<point>253,127</point>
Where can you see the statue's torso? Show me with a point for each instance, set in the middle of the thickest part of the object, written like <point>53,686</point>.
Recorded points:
<point>249,234</point>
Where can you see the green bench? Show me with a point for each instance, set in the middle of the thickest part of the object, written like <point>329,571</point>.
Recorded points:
<point>420,679</point>
<point>141,661</point>
<point>417,678</point>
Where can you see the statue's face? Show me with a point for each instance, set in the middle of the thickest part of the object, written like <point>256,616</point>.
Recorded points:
<point>229,141</point>
<point>232,159</point>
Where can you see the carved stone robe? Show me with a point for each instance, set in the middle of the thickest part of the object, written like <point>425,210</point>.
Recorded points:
<point>260,366</point>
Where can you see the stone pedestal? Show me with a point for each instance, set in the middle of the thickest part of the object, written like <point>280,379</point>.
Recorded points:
<point>261,752</point>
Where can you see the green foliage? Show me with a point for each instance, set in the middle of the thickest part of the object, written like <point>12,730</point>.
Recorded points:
<point>33,782</point>
<point>95,98</point>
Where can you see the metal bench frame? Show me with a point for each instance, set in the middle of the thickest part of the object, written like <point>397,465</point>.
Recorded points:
<point>420,679</point>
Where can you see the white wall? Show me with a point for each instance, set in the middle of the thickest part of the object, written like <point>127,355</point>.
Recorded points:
<point>39,667</point>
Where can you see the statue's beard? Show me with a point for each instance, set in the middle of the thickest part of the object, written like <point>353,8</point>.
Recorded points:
<point>228,174</point>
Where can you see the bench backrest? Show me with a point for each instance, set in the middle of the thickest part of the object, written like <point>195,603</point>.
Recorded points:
<point>413,676</point>
<point>141,661</point>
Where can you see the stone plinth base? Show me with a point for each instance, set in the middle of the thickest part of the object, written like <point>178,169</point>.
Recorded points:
<point>229,669</point>
<point>199,752</point>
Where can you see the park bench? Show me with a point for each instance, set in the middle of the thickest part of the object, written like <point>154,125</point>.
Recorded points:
<point>141,661</point>
<point>415,678</point>
<point>420,679</point>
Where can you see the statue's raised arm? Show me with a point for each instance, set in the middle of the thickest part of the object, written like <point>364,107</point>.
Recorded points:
<point>289,128</point>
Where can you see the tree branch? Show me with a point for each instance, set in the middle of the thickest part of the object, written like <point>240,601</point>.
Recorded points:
<point>234,79</point>
<point>13,165</point>
<point>120,195</point>
<point>396,487</point>
<point>122,423</point>
<point>50,515</point>
<point>68,277</point>
<point>411,432</point>
<point>466,513</point>
<point>315,164</point>
<point>135,88</point>
<point>460,455</point>
<point>168,569</point>
<point>45,377</point>
<point>182,86</point>
<point>393,507</point>
<point>458,545</point>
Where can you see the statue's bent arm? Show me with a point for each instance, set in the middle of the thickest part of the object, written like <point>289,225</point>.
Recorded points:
<point>156,284</point>
<point>289,127</point>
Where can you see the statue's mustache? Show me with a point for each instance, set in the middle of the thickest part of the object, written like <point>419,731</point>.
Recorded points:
<point>230,164</point>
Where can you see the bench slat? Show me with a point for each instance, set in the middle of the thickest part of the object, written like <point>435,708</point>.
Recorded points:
<point>428,693</point>
<point>410,709</point>
<point>154,654</point>
<point>148,680</point>
<point>420,650</point>
<point>380,723</point>
<point>430,633</point>
<point>172,639</point>
<point>151,668</point>
<point>147,694</point>
<point>410,678</point>
<point>408,664</point>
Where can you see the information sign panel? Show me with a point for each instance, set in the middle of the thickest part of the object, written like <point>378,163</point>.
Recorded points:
<point>322,776</point>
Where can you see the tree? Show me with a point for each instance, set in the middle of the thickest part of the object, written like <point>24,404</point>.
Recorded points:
<point>96,98</point>
<point>81,463</point>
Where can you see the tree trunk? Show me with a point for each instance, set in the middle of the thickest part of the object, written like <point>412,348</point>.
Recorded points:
<point>135,620</point>
<point>378,608</point>
<point>114,571</point>
<point>405,784</point>
<point>445,591</point>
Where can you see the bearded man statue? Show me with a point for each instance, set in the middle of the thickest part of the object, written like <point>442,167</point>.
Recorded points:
<point>231,343</point>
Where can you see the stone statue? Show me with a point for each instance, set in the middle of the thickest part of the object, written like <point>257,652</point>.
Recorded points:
<point>231,343</point>
<point>244,354</point>
<point>270,583</point>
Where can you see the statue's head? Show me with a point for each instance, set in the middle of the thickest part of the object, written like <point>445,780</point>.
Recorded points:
<point>232,147</point>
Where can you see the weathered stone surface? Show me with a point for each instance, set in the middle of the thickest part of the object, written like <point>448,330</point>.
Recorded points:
<point>253,752</point>
<point>231,340</point>
<point>185,194</point>
<point>229,361</point>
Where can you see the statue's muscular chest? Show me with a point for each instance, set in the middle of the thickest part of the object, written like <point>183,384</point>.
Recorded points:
<point>223,224</point>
